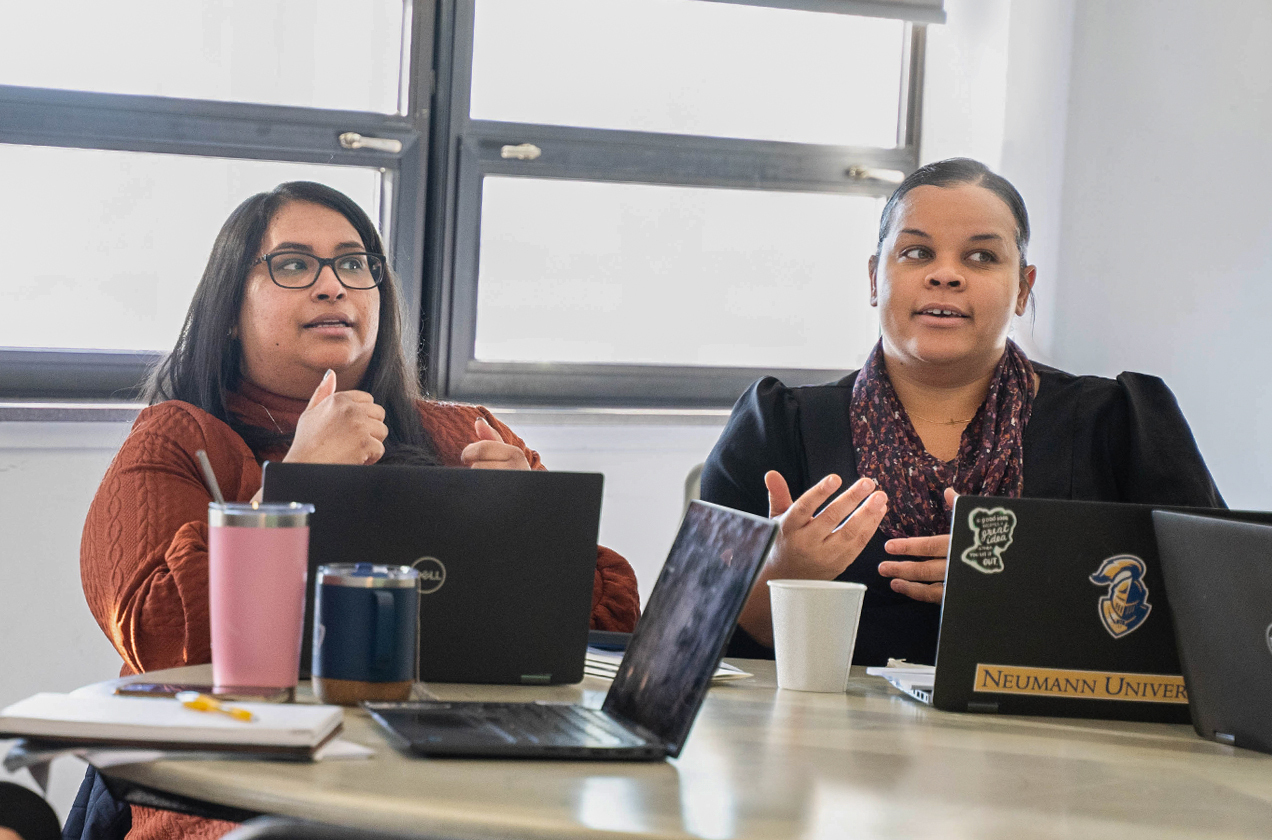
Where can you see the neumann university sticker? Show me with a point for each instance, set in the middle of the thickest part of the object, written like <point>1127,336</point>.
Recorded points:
<point>992,531</point>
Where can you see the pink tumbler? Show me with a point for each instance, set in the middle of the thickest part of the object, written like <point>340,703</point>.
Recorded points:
<point>258,558</point>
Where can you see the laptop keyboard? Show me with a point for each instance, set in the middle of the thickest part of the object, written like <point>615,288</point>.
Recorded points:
<point>561,725</point>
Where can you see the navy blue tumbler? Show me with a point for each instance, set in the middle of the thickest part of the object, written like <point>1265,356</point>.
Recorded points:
<point>366,621</point>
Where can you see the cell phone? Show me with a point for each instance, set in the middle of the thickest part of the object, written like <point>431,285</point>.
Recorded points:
<point>238,693</point>
<point>608,640</point>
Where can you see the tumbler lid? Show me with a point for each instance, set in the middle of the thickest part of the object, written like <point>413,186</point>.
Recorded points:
<point>368,576</point>
<point>259,514</point>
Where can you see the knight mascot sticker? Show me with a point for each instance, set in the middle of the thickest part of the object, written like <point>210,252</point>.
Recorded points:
<point>1125,606</point>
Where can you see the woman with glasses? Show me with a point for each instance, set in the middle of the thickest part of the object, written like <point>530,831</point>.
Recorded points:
<point>945,403</point>
<point>291,351</point>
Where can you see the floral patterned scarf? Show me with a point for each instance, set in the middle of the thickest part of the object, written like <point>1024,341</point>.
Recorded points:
<point>990,457</point>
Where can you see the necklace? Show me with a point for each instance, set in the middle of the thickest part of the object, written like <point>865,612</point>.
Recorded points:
<point>270,415</point>
<point>914,416</point>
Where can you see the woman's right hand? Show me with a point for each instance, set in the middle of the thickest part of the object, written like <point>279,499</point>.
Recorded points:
<point>339,427</point>
<point>809,544</point>
<point>815,545</point>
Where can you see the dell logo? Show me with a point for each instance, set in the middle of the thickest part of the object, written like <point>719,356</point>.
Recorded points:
<point>1267,637</point>
<point>432,574</point>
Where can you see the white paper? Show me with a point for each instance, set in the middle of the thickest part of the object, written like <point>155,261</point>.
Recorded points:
<point>604,664</point>
<point>914,680</point>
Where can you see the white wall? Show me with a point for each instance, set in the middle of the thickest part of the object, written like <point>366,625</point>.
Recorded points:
<point>1167,224</point>
<point>1040,40</point>
<point>997,90</point>
<point>1137,133</point>
<point>48,639</point>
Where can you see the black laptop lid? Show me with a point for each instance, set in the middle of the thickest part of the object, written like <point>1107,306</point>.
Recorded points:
<point>691,613</point>
<point>1059,608</point>
<point>1219,574</point>
<point>1026,630</point>
<point>507,559</point>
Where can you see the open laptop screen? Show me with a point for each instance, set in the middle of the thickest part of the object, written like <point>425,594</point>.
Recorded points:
<point>691,613</point>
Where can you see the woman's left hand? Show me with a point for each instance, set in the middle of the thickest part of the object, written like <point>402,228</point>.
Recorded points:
<point>921,579</point>
<point>489,452</point>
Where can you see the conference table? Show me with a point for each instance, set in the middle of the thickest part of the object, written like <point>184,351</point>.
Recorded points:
<point>763,763</point>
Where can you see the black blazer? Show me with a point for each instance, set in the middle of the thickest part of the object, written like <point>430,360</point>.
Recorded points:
<point>1088,438</point>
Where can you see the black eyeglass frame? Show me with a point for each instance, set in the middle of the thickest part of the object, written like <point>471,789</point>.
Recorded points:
<point>327,262</point>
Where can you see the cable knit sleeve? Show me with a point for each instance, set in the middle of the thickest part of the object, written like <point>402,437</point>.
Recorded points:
<point>144,555</point>
<point>615,599</point>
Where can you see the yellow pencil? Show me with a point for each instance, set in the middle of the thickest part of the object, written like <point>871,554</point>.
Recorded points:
<point>204,703</point>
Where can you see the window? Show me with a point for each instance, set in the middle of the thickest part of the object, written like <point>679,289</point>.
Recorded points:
<point>123,153</point>
<point>649,202</point>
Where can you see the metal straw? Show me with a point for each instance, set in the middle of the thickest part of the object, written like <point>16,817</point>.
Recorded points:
<point>209,477</point>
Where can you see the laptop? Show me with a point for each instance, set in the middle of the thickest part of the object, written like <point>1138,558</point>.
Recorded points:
<point>1219,574</point>
<point>662,680</point>
<point>1058,608</point>
<point>506,559</point>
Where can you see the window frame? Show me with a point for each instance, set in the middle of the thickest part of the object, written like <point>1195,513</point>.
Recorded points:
<point>229,130</point>
<point>467,150</point>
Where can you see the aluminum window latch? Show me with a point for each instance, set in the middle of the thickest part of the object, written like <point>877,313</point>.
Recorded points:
<point>869,173</point>
<point>525,151</point>
<point>354,140</point>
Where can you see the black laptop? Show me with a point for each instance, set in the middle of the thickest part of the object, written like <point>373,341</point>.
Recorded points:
<point>506,558</point>
<point>660,685</point>
<point>1059,608</point>
<point>1219,574</point>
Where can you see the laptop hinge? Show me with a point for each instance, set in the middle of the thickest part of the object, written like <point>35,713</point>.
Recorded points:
<point>637,730</point>
<point>536,679</point>
<point>983,707</point>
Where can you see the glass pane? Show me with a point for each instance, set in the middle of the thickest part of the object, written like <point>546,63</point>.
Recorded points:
<point>688,67</point>
<point>115,242</point>
<point>575,271</point>
<point>314,53</point>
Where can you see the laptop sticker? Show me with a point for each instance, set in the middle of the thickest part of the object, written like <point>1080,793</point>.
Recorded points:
<point>1088,685</point>
<point>432,574</point>
<point>992,531</point>
<point>1124,606</point>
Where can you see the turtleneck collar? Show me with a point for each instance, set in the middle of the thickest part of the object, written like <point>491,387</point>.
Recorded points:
<point>265,409</point>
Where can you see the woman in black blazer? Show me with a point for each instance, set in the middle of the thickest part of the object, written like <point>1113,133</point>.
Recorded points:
<point>946,403</point>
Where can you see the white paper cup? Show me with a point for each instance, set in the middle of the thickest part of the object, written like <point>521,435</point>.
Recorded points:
<point>814,631</point>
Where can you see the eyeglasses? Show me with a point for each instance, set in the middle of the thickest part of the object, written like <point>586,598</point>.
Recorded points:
<point>300,270</point>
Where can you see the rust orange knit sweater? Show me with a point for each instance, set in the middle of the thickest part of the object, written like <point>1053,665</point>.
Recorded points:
<point>143,556</point>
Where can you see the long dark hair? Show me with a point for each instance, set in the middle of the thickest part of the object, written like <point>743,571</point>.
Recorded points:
<point>205,365</point>
<point>954,172</point>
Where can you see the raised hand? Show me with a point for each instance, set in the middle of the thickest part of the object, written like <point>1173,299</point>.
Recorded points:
<point>811,544</point>
<point>489,452</point>
<point>339,427</point>
<point>922,579</point>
